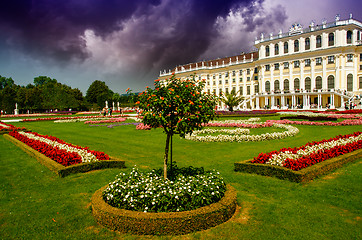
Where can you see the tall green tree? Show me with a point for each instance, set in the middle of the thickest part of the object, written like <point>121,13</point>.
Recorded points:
<point>178,106</point>
<point>98,92</point>
<point>232,99</point>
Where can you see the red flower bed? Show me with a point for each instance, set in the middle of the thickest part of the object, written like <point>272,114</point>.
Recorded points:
<point>315,157</point>
<point>61,156</point>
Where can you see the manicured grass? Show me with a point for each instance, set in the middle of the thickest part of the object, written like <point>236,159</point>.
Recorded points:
<point>37,204</point>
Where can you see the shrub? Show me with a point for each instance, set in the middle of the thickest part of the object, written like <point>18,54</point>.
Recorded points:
<point>149,192</point>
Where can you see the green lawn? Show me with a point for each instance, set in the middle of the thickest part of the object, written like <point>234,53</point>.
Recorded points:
<point>36,204</point>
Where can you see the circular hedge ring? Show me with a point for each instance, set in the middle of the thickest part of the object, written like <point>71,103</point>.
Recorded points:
<point>172,223</point>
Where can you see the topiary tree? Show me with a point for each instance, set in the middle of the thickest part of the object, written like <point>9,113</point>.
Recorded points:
<point>178,106</point>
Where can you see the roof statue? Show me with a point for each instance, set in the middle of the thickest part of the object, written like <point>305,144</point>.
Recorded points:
<point>296,28</point>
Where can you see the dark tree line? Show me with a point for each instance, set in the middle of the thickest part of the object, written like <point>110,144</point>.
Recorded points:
<point>47,94</point>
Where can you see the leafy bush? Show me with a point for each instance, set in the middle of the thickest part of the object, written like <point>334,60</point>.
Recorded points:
<point>149,192</point>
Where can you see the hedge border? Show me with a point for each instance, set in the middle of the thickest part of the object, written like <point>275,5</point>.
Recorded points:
<point>61,170</point>
<point>173,223</point>
<point>301,176</point>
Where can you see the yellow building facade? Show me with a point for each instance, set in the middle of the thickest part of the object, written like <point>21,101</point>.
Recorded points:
<point>317,67</point>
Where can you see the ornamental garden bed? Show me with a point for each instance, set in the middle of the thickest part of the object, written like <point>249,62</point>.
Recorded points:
<point>61,170</point>
<point>306,162</point>
<point>163,223</point>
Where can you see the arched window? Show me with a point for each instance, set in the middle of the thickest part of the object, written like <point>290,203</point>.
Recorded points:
<point>331,39</point>
<point>307,43</point>
<point>276,49</point>
<point>318,41</point>
<point>276,85</point>
<point>296,84</point>
<point>308,84</point>
<point>296,46</point>
<point>318,82</point>
<point>286,85</point>
<point>286,47</point>
<point>349,36</point>
<point>267,51</point>
<point>350,82</point>
<point>267,86</point>
<point>330,82</point>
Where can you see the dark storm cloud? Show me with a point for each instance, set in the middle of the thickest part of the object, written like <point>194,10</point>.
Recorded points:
<point>52,28</point>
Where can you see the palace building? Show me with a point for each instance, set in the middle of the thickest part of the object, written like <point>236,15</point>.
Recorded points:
<point>317,67</point>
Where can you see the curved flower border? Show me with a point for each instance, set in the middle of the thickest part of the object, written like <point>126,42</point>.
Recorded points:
<point>291,131</point>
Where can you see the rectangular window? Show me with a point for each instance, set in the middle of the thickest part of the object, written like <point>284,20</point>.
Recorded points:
<point>227,74</point>
<point>286,64</point>
<point>360,82</point>
<point>276,66</point>
<point>255,70</point>
<point>241,79</point>
<point>318,61</point>
<point>241,91</point>
<point>307,62</point>
<point>234,89</point>
<point>360,67</point>
<point>349,57</point>
<point>296,64</point>
<point>255,77</point>
<point>248,90</point>
<point>248,79</point>
<point>256,88</point>
<point>267,67</point>
<point>220,82</point>
<point>240,72</point>
<point>233,73</point>
<point>248,71</point>
<point>214,77</point>
<point>360,57</point>
<point>226,81</point>
<point>234,80</point>
<point>330,59</point>
<point>214,83</point>
<point>219,75</point>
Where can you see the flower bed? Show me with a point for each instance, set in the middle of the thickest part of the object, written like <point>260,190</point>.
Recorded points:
<point>114,120</point>
<point>61,170</point>
<point>149,192</point>
<point>347,122</point>
<point>312,153</point>
<point>239,135</point>
<point>6,128</point>
<point>306,162</point>
<point>58,150</point>
<point>162,223</point>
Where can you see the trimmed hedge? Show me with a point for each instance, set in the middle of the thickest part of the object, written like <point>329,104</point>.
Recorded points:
<point>310,118</point>
<point>301,176</point>
<point>174,223</point>
<point>61,170</point>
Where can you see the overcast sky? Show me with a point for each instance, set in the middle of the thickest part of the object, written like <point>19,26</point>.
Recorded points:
<point>126,43</point>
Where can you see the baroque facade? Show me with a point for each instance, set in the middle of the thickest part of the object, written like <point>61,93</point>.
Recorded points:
<point>317,67</point>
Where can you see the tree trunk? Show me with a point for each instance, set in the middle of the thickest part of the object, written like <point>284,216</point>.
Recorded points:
<point>166,156</point>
